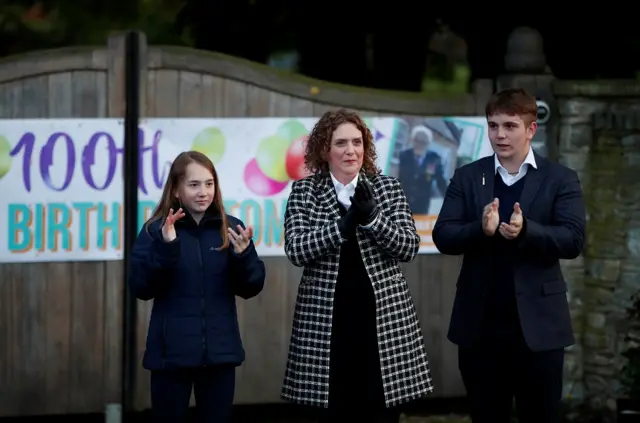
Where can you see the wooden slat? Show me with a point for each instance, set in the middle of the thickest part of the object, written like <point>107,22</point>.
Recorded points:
<point>59,284</point>
<point>87,290</point>
<point>32,300</point>
<point>110,87</point>
<point>11,378</point>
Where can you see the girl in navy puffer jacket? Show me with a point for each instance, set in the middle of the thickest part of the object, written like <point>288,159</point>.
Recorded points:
<point>192,259</point>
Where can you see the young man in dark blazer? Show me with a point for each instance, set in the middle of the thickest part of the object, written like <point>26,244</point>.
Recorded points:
<point>513,215</point>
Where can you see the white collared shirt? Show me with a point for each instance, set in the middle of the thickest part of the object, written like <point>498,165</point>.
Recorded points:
<point>343,191</point>
<point>509,180</point>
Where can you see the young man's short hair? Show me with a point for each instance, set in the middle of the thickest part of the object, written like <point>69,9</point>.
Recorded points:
<point>513,102</point>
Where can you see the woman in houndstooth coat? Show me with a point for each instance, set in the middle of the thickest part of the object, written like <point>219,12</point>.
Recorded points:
<point>356,341</point>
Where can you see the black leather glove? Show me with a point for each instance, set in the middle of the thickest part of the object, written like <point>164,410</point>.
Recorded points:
<point>348,222</point>
<point>364,201</point>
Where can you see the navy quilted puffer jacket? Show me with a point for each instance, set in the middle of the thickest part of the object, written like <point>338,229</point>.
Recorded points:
<point>194,321</point>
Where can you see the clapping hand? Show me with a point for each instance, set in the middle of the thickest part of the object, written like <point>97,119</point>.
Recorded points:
<point>168,228</point>
<point>512,230</point>
<point>241,239</point>
<point>491,217</point>
<point>365,201</point>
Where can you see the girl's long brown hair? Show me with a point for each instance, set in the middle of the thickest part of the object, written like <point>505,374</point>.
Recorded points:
<point>177,174</point>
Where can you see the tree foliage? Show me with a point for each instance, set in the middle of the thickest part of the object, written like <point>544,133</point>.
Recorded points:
<point>30,25</point>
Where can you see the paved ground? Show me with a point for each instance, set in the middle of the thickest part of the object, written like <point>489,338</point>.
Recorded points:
<point>431,411</point>
<point>452,418</point>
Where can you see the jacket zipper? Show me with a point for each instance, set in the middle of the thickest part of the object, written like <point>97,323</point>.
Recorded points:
<point>164,340</point>
<point>202,311</point>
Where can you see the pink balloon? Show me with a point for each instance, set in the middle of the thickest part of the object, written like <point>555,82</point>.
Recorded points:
<point>258,183</point>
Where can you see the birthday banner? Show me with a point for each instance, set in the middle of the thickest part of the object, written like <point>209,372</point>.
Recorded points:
<point>62,188</point>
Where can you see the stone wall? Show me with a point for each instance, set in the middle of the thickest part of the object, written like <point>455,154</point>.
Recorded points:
<point>599,137</point>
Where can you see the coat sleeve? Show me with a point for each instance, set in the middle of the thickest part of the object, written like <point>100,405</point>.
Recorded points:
<point>151,260</point>
<point>453,234</point>
<point>396,234</point>
<point>248,274</point>
<point>302,243</point>
<point>564,237</point>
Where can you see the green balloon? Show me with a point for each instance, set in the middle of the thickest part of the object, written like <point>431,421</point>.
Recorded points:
<point>210,142</point>
<point>271,157</point>
<point>5,157</point>
<point>291,130</point>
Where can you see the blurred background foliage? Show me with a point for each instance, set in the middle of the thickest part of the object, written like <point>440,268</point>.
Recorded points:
<point>26,25</point>
<point>399,45</point>
<point>259,30</point>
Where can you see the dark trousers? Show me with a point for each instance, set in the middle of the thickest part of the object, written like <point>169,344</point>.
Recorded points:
<point>213,388</point>
<point>495,371</point>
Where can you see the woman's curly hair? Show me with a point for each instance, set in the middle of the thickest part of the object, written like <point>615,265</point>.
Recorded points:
<point>319,142</point>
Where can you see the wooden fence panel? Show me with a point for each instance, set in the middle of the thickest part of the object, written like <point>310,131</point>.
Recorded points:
<point>61,323</point>
<point>53,314</point>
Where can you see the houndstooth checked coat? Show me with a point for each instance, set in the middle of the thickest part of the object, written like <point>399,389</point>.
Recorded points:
<point>312,241</point>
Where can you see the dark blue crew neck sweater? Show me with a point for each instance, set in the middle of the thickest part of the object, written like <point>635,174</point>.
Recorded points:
<point>502,312</point>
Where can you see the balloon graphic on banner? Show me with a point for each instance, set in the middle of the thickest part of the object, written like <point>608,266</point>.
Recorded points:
<point>271,157</point>
<point>259,183</point>
<point>291,130</point>
<point>279,159</point>
<point>5,156</point>
<point>294,162</point>
<point>210,142</point>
